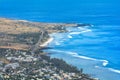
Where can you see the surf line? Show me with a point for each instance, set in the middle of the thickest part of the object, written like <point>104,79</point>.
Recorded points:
<point>88,30</point>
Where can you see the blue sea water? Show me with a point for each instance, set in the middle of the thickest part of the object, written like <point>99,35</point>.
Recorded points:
<point>95,49</point>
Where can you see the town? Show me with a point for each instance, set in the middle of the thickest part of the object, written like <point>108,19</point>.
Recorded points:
<point>22,65</point>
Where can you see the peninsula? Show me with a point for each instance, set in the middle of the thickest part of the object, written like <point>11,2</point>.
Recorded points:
<point>21,57</point>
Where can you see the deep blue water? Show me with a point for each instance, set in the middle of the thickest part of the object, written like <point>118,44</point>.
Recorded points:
<point>86,11</point>
<point>96,48</point>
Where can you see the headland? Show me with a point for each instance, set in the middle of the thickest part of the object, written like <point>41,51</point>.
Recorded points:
<point>21,57</point>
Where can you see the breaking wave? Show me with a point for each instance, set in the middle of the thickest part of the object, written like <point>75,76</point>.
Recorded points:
<point>83,57</point>
<point>88,30</point>
<point>104,62</point>
<point>114,70</point>
<point>69,36</point>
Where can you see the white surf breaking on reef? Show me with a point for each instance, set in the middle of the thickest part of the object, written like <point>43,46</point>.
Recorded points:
<point>99,63</point>
<point>69,36</point>
<point>83,57</point>
<point>79,30</point>
<point>84,31</point>
<point>114,70</point>
<point>104,62</point>
<point>74,54</point>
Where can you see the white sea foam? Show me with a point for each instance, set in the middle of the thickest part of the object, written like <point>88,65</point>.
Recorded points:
<point>72,53</point>
<point>84,57</point>
<point>81,28</point>
<point>114,70</point>
<point>88,30</point>
<point>69,36</point>
<point>76,55</point>
<point>105,62</point>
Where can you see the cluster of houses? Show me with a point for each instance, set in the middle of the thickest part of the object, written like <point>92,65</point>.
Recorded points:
<point>24,66</point>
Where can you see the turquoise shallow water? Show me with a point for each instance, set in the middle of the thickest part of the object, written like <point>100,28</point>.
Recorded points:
<point>91,49</point>
<point>96,48</point>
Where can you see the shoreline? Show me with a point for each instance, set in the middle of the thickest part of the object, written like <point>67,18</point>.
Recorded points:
<point>54,29</point>
<point>46,42</point>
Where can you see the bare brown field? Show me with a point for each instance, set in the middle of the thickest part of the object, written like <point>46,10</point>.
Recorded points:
<point>16,46</point>
<point>14,27</point>
<point>8,28</point>
<point>22,35</point>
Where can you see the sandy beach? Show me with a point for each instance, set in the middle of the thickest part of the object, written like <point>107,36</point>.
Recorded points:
<point>47,42</point>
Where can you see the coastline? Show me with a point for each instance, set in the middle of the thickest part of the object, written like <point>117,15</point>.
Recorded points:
<point>46,42</point>
<point>82,33</point>
<point>96,67</point>
<point>43,39</point>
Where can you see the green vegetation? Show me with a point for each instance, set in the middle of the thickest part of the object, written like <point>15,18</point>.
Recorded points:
<point>26,38</point>
<point>61,64</point>
<point>21,59</point>
<point>22,65</point>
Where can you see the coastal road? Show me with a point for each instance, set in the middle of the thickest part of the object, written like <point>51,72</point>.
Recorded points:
<point>37,45</point>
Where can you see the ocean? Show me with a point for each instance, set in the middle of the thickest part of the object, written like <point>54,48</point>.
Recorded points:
<point>93,48</point>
